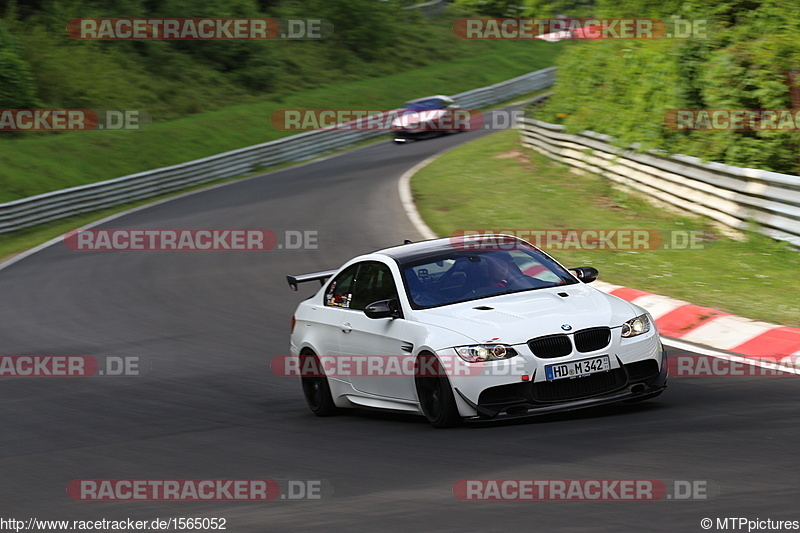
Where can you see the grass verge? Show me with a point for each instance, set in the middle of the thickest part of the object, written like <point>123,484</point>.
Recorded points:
<point>494,183</point>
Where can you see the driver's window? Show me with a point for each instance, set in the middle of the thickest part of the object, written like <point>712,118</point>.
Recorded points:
<point>374,282</point>
<point>339,292</point>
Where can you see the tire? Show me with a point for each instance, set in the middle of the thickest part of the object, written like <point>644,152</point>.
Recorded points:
<point>317,390</point>
<point>435,395</point>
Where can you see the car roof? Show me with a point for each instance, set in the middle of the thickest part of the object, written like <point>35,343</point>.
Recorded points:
<point>416,251</point>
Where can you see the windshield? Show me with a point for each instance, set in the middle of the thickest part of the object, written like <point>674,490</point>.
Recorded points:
<point>426,105</point>
<point>460,276</point>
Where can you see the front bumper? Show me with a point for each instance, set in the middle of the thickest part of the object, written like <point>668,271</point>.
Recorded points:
<point>413,135</point>
<point>634,381</point>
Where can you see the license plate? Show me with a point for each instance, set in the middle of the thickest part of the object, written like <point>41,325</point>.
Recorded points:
<point>576,369</point>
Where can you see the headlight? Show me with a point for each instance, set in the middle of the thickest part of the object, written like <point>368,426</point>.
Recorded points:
<point>636,326</point>
<point>485,352</point>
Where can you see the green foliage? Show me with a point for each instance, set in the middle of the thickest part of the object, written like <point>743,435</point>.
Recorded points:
<point>552,8</point>
<point>493,8</point>
<point>365,28</point>
<point>660,9</point>
<point>625,88</point>
<point>17,88</point>
<point>171,79</point>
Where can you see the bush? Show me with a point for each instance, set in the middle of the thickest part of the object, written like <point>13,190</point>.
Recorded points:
<point>170,79</point>
<point>625,88</point>
<point>17,88</point>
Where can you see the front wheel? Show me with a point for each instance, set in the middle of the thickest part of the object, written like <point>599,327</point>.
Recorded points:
<point>435,393</point>
<point>316,388</point>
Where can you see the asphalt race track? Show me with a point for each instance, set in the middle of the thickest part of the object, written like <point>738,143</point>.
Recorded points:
<point>205,326</point>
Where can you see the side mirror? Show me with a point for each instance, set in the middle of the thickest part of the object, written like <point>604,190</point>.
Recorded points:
<point>384,309</point>
<point>585,274</point>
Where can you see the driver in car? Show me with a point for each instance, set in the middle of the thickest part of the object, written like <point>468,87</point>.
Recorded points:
<point>504,273</point>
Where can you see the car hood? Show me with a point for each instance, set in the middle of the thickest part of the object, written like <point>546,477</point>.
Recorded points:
<point>516,318</point>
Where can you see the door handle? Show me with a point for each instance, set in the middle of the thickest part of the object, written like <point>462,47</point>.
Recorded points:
<point>346,327</point>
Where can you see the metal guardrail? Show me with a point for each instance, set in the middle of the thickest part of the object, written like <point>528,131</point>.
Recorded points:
<point>432,3</point>
<point>739,198</point>
<point>34,210</point>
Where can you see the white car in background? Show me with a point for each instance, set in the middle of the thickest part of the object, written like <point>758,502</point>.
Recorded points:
<point>470,328</point>
<point>430,116</point>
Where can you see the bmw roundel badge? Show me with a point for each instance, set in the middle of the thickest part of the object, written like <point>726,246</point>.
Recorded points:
<point>566,327</point>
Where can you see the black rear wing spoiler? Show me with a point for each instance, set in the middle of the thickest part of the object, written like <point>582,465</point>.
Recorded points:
<point>313,276</point>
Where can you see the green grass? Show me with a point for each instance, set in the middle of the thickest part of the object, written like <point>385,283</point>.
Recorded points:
<point>493,183</point>
<point>37,163</point>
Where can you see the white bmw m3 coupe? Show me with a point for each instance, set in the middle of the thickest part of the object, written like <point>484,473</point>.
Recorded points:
<point>470,328</point>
